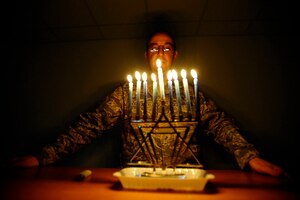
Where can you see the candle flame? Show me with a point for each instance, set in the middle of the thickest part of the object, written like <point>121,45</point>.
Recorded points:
<point>174,74</point>
<point>153,77</point>
<point>144,76</point>
<point>183,73</point>
<point>194,73</point>
<point>137,75</point>
<point>169,75</point>
<point>129,78</point>
<point>158,63</point>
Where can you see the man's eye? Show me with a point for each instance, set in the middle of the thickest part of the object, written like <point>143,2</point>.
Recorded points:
<point>154,49</point>
<point>167,49</point>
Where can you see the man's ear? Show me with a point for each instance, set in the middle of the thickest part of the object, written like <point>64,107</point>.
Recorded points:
<point>175,55</point>
<point>146,55</point>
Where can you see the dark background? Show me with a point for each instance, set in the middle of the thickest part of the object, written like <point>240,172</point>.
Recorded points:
<point>62,57</point>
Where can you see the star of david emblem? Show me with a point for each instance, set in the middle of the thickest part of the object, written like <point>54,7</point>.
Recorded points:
<point>163,142</point>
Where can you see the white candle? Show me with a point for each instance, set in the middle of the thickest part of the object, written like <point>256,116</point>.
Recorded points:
<point>154,95</point>
<point>194,75</point>
<point>129,78</point>
<point>144,76</point>
<point>175,77</point>
<point>170,87</point>
<point>160,79</point>
<point>186,91</point>
<point>138,93</point>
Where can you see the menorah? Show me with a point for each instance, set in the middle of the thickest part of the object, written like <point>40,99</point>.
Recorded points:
<point>164,141</point>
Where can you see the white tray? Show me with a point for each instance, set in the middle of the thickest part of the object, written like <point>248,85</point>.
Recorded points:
<point>185,179</point>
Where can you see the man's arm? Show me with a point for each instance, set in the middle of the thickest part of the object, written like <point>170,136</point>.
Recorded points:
<point>226,133</point>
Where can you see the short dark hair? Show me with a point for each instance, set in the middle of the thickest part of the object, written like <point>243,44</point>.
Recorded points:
<point>161,31</point>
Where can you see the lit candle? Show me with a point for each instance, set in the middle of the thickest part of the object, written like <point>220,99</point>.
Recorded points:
<point>144,76</point>
<point>194,75</point>
<point>154,95</point>
<point>160,79</point>
<point>169,75</point>
<point>138,93</point>
<point>129,78</point>
<point>186,91</point>
<point>175,77</point>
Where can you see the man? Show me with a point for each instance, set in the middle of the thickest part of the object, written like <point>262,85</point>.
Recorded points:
<point>114,110</point>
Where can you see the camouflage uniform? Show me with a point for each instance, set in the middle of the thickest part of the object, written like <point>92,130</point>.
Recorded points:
<point>114,111</point>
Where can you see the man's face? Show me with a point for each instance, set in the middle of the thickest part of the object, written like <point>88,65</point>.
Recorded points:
<point>160,46</point>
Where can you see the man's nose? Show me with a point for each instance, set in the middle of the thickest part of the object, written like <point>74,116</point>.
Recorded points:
<point>161,51</point>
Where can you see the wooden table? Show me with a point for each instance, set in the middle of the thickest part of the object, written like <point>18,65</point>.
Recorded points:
<point>58,183</point>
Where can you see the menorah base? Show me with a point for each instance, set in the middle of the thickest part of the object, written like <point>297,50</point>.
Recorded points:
<point>164,143</point>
